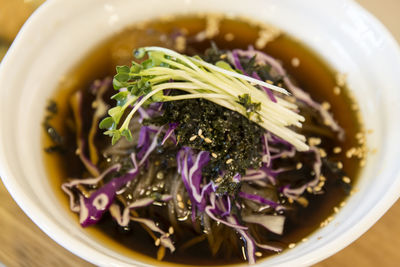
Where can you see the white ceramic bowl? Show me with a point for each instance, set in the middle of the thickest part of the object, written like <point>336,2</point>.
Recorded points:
<point>61,32</point>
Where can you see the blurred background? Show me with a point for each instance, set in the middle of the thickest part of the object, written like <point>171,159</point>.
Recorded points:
<point>22,243</point>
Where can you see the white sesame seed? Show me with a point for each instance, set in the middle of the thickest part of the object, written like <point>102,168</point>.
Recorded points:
<point>291,245</point>
<point>229,161</point>
<point>337,150</point>
<point>229,37</point>
<point>207,140</point>
<point>314,141</point>
<point>200,132</point>
<point>181,205</point>
<point>170,230</point>
<point>325,105</point>
<point>157,242</point>
<point>214,155</point>
<point>258,254</point>
<point>341,79</point>
<point>340,165</point>
<point>336,209</point>
<point>362,163</point>
<point>193,138</point>
<point>295,62</point>
<point>299,165</point>
<point>336,90</point>
<point>346,179</point>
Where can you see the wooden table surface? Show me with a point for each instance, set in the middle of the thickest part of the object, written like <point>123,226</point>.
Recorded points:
<point>22,243</point>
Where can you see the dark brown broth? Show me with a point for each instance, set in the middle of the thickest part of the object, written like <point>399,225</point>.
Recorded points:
<point>313,75</point>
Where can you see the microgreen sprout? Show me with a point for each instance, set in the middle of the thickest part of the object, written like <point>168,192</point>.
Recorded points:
<point>163,69</point>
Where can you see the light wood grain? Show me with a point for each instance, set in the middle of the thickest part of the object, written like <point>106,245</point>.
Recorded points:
<point>22,243</point>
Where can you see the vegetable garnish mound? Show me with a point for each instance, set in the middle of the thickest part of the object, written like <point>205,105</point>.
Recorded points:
<point>211,140</point>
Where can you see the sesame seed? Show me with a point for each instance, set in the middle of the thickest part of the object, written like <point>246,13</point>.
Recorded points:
<point>180,43</point>
<point>200,132</point>
<point>266,35</point>
<point>95,104</point>
<point>258,254</point>
<point>342,204</point>
<point>77,151</point>
<point>322,178</point>
<point>350,152</point>
<point>193,138</point>
<point>229,161</point>
<point>322,153</point>
<point>317,188</point>
<point>340,165</point>
<point>181,205</point>
<point>327,122</point>
<point>302,201</point>
<point>269,81</point>
<point>178,197</point>
<point>353,191</point>
<point>337,150</point>
<point>341,79</point>
<point>304,240</point>
<point>170,230</point>
<point>290,200</point>
<point>214,155</point>
<point>160,175</point>
<point>314,141</point>
<point>157,242</point>
<point>336,90</point>
<point>346,179</point>
<point>207,140</point>
<point>325,105</point>
<point>299,165</point>
<point>291,245</point>
<point>223,56</point>
<point>336,209</point>
<point>229,37</point>
<point>295,62</point>
<point>309,189</point>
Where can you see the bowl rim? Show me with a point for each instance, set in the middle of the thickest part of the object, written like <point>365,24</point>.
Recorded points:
<point>45,224</point>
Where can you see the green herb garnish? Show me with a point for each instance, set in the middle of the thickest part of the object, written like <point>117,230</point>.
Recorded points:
<point>165,69</point>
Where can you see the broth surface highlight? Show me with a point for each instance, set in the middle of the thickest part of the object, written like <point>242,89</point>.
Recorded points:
<point>312,75</point>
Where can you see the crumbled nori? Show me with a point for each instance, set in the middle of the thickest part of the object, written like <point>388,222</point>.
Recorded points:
<point>222,132</point>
